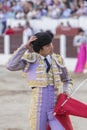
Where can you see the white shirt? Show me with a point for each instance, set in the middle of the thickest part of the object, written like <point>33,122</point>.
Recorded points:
<point>48,58</point>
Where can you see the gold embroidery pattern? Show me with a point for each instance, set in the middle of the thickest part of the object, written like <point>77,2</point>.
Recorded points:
<point>41,75</point>
<point>37,83</point>
<point>40,69</point>
<point>50,77</point>
<point>57,81</point>
<point>56,94</point>
<point>39,108</point>
<point>34,113</point>
<point>29,57</point>
<point>33,109</point>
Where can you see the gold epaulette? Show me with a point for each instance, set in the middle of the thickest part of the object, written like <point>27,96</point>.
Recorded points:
<point>58,59</point>
<point>29,57</point>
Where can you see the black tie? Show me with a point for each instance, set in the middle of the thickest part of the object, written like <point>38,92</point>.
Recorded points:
<point>48,65</point>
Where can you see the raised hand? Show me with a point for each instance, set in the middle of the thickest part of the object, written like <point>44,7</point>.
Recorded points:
<point>28,44</point>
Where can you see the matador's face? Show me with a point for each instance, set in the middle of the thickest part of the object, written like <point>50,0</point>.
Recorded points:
<point>47,50</point>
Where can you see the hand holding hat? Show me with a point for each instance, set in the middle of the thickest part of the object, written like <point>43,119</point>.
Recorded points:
<point>29,42</point>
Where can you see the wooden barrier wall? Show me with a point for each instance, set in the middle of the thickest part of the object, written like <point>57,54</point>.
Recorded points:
<point>16,41</point>
<point>1,44</point>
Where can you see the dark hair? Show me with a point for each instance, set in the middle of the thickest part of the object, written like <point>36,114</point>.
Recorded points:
<point>50,33</point>
<point>80,30</point>
<point>43,38</point>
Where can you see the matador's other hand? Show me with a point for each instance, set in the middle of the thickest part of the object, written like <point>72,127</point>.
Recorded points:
<point>66,93</point>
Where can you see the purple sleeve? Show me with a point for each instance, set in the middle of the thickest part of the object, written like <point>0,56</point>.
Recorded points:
<point>16,62</point>
<point>67,80</point>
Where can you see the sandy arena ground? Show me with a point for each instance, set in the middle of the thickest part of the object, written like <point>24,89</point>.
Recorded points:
<point>15,97</point>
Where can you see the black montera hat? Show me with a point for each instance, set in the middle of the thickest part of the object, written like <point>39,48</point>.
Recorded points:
<point>43,38</point>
